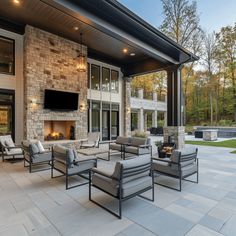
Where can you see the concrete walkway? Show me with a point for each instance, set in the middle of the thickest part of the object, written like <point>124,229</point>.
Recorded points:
<point>35,204</point>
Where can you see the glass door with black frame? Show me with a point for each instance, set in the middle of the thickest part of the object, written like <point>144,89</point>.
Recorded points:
<point>114,124</point>
<point>105,125</point>
<point>7,113</point>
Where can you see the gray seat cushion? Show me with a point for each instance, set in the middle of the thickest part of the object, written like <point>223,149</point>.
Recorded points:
<point>165,167</point>
<point>122,140</point>
<point>42,157</point>
<point>136,150</point>
<point>136,185</point>
<point>107,184</point>
<point>115,146</point>
<point>138,141</point>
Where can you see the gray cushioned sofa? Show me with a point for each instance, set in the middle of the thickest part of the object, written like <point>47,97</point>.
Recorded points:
<point>180,165</point>
<point>9,149</point>
<point>118,146</point>
<point>128,179</point>
<point>34,157</point>
<point>138,146</point>
<point>66,161</point>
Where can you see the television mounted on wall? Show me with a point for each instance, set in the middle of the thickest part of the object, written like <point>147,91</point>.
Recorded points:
<point>60,100</point>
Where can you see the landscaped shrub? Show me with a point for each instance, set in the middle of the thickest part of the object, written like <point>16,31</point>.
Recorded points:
<point>225,123</point>
<point>139,134</point>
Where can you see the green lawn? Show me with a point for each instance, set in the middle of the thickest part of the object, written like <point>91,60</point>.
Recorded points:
<point>228,143</point>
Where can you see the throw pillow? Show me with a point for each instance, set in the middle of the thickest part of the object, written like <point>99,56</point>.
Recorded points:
<point>9,143</point>
<point>40,147</point>
<point>34,148</point>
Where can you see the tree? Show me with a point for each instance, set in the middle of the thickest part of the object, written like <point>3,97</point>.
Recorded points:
<point>209,62</point>
<point>226,52</point>
<point>181,23</point>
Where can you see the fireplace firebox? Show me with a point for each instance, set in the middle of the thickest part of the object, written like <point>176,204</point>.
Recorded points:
<point>59,130</point>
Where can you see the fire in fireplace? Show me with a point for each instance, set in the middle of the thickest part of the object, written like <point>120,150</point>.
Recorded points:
<point>55,136</point>
<point>58,130</point>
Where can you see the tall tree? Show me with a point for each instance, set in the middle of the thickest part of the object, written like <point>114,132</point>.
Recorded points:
<point>209,63</point>
<point>226,51</point>
<point>181,23</point>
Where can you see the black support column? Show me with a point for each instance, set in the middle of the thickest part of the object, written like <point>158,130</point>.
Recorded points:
<point>175,131</point>
<point>174,97</point>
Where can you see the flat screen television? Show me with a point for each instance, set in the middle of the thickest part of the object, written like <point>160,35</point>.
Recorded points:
<point>60,100</point>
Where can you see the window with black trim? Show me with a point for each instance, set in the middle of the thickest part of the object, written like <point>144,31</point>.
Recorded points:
<point>7,56</point>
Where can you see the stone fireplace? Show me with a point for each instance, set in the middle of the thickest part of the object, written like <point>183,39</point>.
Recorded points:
<point>49,63</point>
<point>59,130</point>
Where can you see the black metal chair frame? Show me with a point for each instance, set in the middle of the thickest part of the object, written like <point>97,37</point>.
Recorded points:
<point>119,197</point>
<point>148,146</point>
<point>67,175</point>
<point>180,177</point>
<point>3,154</point>
<point>31,164</point>
<point>116,151</point>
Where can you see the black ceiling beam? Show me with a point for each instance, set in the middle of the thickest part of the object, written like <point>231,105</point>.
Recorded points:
<point>12,26</point>
<point>148,65</point>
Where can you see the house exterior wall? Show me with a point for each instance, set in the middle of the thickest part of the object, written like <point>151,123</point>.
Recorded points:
<point>49,62</point>
<point>16,83</point>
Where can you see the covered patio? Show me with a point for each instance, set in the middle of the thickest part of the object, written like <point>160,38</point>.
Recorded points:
<point>123,40</point>
<point>34,204</point>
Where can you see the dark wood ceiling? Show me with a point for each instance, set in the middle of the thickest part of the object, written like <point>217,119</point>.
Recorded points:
<point>40,14</point>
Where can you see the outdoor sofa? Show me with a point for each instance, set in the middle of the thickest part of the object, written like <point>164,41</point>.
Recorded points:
<point>36,155</point>
<point>118,146</point>
<point>129,178</point>
<point>68,163</point>
<point>9,149</point>
<point>92,141</point>
<point>181,165</point>
<point>137,147</point>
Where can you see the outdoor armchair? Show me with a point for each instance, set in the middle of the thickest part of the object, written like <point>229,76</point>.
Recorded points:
<point>9,149</point>
<point>129,179</point>
<point>66,161</point>
<point>181,164</point>
<point>138,146</point>
<point>92,140</point>
<point>35,155</point>
<point>118,146</point>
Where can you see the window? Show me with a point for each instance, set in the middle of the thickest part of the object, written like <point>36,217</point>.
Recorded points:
<point>7,56</point>
<point>105,79</point>
<point>95,77</point>
<point>114,81</point>
<point>88,75</point>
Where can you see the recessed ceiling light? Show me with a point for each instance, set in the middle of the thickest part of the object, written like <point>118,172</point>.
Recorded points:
<point>132,54</point>
<point>16,2</point>
<point>76,28</point>
<point>125,50</point>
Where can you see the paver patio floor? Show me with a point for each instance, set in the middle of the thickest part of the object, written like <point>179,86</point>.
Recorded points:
<point>35,204</point>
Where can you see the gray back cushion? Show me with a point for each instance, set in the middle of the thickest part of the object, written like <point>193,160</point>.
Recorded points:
<point>33,149</point>
<point>62,153</point>
<point>138,141</point>
<point>136,164</point>
<point>185,153</point>
<point>122,140</point>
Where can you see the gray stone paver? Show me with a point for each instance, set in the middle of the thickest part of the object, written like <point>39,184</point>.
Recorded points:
<point>35,204</point>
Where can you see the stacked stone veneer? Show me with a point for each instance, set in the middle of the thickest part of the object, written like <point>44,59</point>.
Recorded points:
<point>127,107</point>
<point>49,62</point>
<point>176,134</point>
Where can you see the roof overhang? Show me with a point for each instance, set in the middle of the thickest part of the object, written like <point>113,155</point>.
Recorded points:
<point>107,26</point>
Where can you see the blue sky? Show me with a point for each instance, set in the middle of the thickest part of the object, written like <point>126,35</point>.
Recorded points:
<point>214,14</point>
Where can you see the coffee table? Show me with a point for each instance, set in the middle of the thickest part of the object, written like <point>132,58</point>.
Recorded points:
<point>94,152</point>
